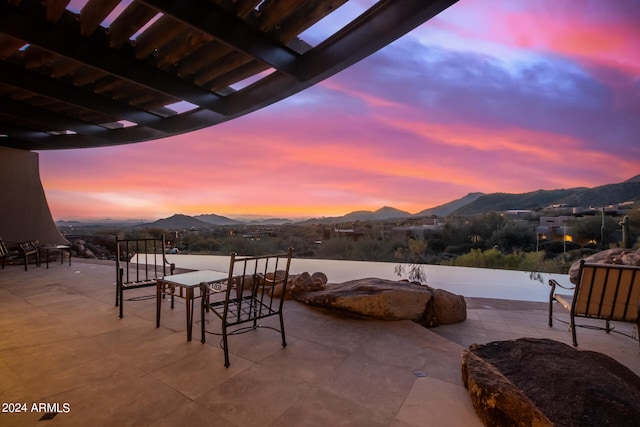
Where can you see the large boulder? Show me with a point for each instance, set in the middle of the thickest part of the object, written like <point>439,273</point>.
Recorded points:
<point>448,308</point>
<point>618,256</point>
<point>389,300</point>
<point>372,297</point>
<point>540,382</point>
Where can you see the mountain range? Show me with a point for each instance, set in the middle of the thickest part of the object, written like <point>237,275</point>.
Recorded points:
<point>601,196</point>
<point>471,204</point>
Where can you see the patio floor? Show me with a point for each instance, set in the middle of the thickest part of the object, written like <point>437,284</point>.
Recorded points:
<point>62,342</point>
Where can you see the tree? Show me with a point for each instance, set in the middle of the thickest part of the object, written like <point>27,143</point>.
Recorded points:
<point>414,253</point>
<point>512,238</point>
<point>634,224</point>
<point>591,229</point>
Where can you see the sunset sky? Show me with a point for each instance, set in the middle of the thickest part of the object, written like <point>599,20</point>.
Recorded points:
<point>490,96</point>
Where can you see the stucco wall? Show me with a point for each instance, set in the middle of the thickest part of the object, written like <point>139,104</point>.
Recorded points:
<point>24,211</point>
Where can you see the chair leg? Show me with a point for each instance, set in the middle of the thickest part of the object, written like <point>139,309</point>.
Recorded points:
<point>204,301</point>
<point>226,347</point>
<point>552,283</point>
<point>120,297</point>
<point>573,330</point>
<point>118,284</point>
<point>284,340</point>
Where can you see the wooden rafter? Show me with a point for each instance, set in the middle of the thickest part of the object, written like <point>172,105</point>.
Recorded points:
<point>67,80</point>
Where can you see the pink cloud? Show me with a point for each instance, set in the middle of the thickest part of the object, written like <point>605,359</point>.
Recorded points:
<point>586,30</point>
<point>280,176</point>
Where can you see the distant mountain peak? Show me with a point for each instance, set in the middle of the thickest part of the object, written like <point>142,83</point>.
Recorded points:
<point>388,209</point>
<point>214,219</point>
<point>177,221</point>
<point>452,206</point>
<point>383,213</point>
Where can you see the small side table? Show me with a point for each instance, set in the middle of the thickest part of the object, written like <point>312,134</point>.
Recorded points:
<point>59,248</point>
<point>182,286</point>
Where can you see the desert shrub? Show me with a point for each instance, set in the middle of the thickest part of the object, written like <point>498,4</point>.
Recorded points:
<point>491,258</point>
<point>535,262</point>
<point>336,249</point>
<point>458,249</point>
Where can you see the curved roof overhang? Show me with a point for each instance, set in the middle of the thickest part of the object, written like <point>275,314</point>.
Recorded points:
<point>159,68</point>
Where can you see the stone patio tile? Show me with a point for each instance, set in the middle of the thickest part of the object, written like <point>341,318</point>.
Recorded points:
<point>432,402</point>
<point>307,361</point>
<point>379,387</point>
<point>321,408</point>
<point>256,396</point>
<point>200,372</point>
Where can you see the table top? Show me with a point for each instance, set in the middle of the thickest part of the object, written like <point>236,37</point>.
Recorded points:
<point>195,278</point>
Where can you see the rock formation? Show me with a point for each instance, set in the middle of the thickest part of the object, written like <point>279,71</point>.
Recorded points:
<point>388,300</point>
<point>83,249</point>
<point>448,308</point>
<point>619,256</point>
<point>540,382</point>
<point>303,282</point>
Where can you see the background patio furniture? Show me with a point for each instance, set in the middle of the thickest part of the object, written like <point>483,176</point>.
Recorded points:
<point>4,252</point>
<point>56,250</point>
<point>28,249</point>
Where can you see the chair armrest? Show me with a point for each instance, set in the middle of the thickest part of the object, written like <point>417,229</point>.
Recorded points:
<point>172,266</point>
<point>555,284</point>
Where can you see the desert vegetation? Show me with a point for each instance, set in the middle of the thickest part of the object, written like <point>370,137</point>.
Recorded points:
<point>488,240</point>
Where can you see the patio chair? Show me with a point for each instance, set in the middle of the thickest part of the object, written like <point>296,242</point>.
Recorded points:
<point>603,291</point>
<point>254,291</point>
<point>139,264</point>
<point>4,252</point>
<point>28,249</point>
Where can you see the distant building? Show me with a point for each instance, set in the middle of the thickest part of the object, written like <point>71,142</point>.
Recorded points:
<point>592,210</point>
<point>554,228</point>
<point>418,232</point>
<point>348,233</point>
<point>518,213</point>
